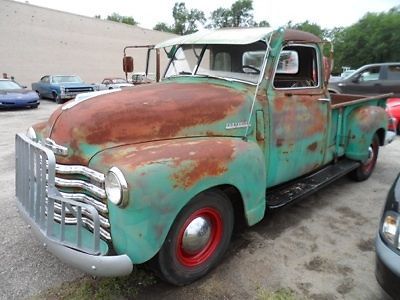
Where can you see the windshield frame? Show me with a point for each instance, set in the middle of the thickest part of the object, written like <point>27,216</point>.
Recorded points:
<point>224,75</point>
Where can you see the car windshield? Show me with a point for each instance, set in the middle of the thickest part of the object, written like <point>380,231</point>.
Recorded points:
<point>9,85</point>
<point>66,79</point>
<point>119,80</point>
<point>231,62</point>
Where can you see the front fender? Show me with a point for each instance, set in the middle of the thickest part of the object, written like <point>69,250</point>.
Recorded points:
<point>164,176</point>
<point>362,124</point>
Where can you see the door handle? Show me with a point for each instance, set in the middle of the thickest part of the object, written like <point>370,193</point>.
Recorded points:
<point>324,100</point>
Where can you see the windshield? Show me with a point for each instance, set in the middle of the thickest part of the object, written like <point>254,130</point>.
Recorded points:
<point>232,62</point>
<point>64,79</point>
<point>119,80</point>
<point>9,85</point>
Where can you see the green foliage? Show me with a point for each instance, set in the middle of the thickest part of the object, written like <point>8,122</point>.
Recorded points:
<point>309,27</point>
<point>122,19</point>
<point>374,38</point>
<point>89,288</point>
<point>163,27</point>
<point>186,21</point>
<point>239,15</point>
<point>281,294</point>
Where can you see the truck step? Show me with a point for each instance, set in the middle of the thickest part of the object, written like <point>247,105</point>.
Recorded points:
<point>300,188</point>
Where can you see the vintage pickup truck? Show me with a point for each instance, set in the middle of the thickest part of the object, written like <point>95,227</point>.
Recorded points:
<point>240,123</point>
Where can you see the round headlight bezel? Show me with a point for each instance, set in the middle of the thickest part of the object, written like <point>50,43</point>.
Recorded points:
<point>116,187</point>
<point>31,133</point>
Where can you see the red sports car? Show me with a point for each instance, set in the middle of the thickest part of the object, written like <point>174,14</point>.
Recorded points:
<point>393,110</point>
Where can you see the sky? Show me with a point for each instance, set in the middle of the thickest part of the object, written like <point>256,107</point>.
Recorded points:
<point>327,14</point>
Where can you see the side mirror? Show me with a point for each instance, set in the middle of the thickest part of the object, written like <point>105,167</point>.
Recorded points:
<point>127,64</point>
<point>355,79</point>
<point>24,86</point>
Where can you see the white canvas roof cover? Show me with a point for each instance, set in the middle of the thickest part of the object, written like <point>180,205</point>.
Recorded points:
<point>238,36</point>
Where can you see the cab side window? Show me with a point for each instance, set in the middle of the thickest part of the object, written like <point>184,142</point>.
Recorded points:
<point>298,67</point>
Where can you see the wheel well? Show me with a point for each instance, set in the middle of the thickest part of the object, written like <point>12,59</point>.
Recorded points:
<point>236,199</point>
<point>381,135</point>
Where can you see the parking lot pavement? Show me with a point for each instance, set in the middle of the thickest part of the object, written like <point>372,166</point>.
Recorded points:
<point>321,248</point>
<point>25,268</point>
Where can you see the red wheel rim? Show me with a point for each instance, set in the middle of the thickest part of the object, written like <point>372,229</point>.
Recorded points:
<point>215,222</point>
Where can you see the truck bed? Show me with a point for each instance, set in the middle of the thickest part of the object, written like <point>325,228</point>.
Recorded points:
<point>342,100</point>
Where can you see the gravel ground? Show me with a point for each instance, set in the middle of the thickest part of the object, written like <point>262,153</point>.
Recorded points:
<point>321,248</point>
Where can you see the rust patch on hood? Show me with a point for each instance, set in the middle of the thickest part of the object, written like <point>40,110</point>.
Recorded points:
<point>191,159</point>
<point>146,113</point>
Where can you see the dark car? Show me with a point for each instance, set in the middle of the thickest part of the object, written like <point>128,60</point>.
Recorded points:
<point>370,80</point>
<point>13,94</point>
<point>388,244</point>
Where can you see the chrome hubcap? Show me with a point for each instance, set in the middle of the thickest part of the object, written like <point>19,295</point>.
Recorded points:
<point>196,235</point>
<point>370,155</point>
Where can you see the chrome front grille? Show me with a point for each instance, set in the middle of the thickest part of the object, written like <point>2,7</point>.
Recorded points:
<point>85,185</point>
<point>54,203</point>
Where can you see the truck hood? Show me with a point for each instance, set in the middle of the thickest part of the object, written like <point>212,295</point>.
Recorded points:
<point>149,113</point>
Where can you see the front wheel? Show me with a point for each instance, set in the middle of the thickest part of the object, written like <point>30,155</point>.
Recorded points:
<point>197,240</point>
<point>57,98</point>
<point>366,168</point>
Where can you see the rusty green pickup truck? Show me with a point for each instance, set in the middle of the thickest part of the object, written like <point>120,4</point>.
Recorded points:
<point>241,122</point>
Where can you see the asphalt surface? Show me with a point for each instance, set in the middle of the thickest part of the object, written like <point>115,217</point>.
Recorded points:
<point>321,248</point>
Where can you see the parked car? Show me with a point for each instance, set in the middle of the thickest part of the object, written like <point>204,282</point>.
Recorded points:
<point>61,87</point>
<point>371,79</point>
<point>113,83</point>
<point>387,244</point>
<point>393,110</point>
<point>13,94</point>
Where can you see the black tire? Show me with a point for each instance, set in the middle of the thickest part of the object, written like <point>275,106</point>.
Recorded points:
<point>180,266</point>
<point>398,129</point>
<point>35,106</point>
<point>57,98</point>
<point>365,170</point>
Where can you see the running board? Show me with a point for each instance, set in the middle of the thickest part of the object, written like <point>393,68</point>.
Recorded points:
<point>299,188</point>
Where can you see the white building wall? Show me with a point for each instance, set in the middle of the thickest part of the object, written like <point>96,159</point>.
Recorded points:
<point>36,41</point>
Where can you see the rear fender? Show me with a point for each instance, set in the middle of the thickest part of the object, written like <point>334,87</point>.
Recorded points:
<point>362,124</point>
<point>164,176</point>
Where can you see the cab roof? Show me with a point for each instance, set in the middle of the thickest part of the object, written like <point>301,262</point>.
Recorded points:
<point>236,36</point>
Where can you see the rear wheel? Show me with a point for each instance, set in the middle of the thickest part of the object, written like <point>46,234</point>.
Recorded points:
<point>197,240</point>
<point>367,167</point>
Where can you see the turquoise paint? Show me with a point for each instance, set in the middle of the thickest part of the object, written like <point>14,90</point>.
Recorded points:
<point>139,229</point>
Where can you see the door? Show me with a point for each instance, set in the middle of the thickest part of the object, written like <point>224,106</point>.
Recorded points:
<point>366,82</point>
<point>391,80</point>
<point>299,115</point>
<point>44,86</point>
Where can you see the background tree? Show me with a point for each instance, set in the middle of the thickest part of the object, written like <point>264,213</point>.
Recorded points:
<point>239,15</point>
<point>122,19</point>
<point>186,21</point>
<point>163,27</point>
<point>374,38</point>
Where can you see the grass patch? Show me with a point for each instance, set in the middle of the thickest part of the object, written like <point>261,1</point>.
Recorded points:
<point>281,294</point>
<point>88,288</point>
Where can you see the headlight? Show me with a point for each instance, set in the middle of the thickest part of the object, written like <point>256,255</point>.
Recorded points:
<point>390,227</point>
<point>31,134</point>
<point>116,187</point>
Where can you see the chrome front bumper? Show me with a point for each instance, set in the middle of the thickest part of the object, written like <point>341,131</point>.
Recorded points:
<point>46,211</point>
